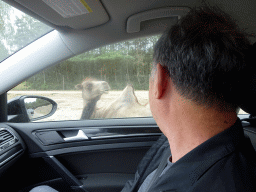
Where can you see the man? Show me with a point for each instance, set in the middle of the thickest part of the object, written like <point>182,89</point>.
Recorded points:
<point>193,94</point>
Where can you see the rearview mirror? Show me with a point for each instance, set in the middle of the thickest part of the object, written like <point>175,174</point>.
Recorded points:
<point>30,108</point>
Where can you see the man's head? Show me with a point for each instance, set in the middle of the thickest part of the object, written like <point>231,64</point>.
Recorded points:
<point>203,55</point>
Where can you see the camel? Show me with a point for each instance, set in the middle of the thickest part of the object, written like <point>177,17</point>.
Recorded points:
<point>91,93</point>
<point>126,105</point>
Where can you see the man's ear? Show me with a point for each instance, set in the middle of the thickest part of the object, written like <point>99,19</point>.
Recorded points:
<point>161,80</point>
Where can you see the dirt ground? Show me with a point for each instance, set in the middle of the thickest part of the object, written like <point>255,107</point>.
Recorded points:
<point>70,103</point>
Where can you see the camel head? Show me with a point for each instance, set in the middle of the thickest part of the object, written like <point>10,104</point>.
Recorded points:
<point>93,89</point>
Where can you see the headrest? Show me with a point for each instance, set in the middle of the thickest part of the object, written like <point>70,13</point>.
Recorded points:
<point>247,91</point>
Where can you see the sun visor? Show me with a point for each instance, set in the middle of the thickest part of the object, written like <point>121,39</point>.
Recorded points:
<point>75,14</point>
<point>155,18</point>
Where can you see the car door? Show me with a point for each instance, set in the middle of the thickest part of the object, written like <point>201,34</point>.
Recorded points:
<point>103,161</point>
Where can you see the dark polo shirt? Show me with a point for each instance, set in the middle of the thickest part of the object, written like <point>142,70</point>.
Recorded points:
<point>225,162</point>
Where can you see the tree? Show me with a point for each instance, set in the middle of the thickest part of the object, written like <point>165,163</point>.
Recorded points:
<point>28,29</point>
<point>117,64</point>
<point>18,29</point>
<point>3,51</point>
<point>5,28</point>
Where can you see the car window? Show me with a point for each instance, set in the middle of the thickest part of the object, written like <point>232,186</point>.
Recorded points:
<point>107,82</point>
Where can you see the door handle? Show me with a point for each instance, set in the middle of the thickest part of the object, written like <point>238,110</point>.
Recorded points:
<point>80,136</point>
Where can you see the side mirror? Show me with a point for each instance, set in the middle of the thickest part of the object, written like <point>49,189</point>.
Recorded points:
<point>30,108</point>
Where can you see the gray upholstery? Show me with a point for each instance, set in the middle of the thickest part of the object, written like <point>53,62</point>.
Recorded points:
<point>43,188</point>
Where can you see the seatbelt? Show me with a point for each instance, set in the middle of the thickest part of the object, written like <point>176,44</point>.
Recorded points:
<point>160,168</point>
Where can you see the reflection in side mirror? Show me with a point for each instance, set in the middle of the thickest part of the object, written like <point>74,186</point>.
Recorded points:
<point>37,107</point>
<point>30,108</point>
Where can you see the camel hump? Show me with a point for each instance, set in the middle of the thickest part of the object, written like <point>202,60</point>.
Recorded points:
<point>126,105</point>
<point>128,95</point>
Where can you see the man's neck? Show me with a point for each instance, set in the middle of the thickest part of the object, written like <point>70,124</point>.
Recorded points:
<point>191,125</point>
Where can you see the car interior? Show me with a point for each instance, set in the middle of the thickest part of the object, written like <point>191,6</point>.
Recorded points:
<point>97,154</point>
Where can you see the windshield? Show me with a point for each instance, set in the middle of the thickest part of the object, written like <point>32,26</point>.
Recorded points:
<point>17,30</point>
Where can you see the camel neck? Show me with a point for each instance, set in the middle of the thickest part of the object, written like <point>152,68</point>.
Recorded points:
<point>89,109</point>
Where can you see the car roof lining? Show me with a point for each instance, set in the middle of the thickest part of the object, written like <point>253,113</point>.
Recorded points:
<point>120,10</point>
<point>135,22</point>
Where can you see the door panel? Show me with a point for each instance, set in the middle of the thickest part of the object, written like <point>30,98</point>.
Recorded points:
<point>111,131</point>
<point>103,161</point>
<point>106,170</point>
<point>106,161</point>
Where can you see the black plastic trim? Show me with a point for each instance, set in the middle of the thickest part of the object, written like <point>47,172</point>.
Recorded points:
<point>107,181</point>
<point>132,125</point>
<point>3,104</point>
<point>64,173</point>
<point>4,158</point>
<point>92,148</point>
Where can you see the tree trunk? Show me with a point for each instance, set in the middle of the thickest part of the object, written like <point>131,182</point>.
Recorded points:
<point>138,78</point>
<point>63,83</point>
<point>44,77</point>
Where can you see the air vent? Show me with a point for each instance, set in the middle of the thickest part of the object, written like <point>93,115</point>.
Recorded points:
<point>6,139</point>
